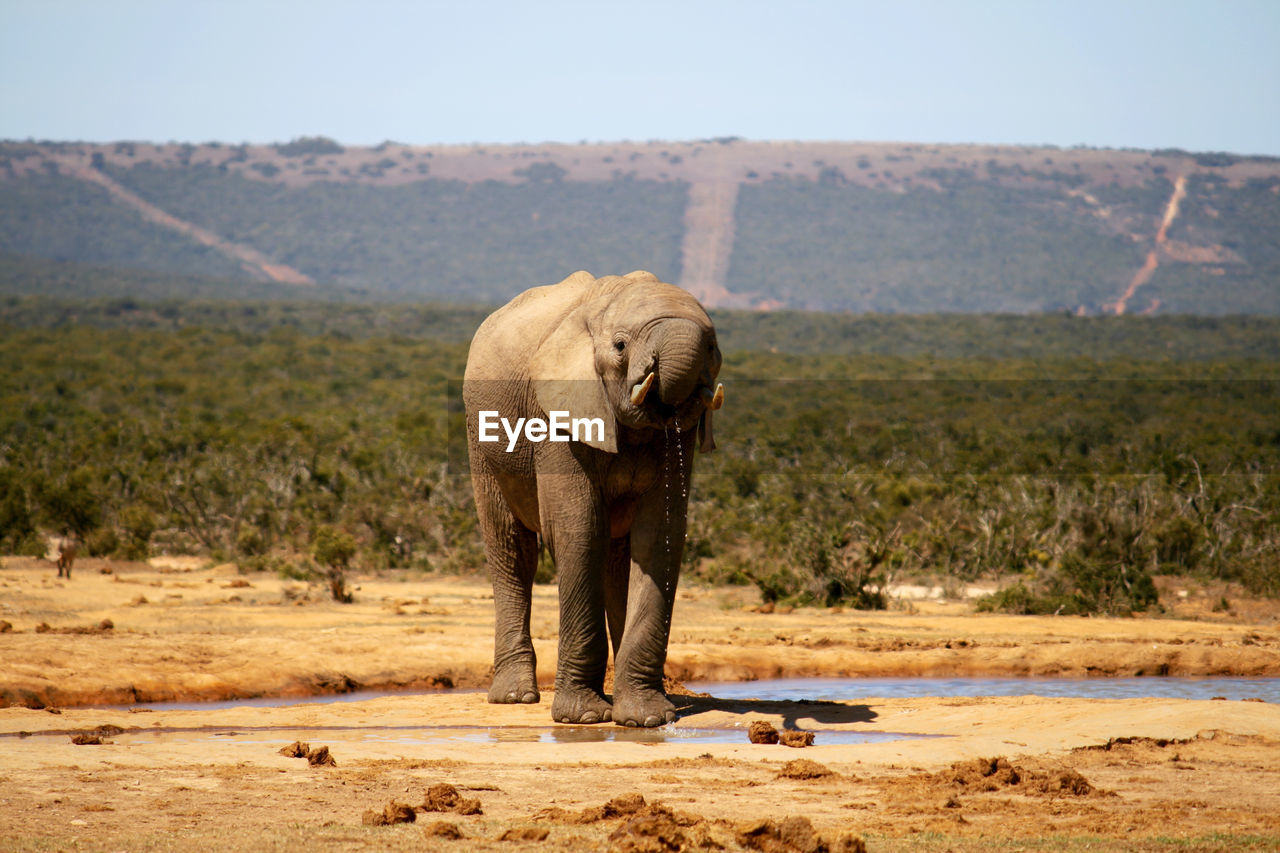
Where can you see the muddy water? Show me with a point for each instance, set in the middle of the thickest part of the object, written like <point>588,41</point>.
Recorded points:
<point>854,689</point>
<point>792,690</point>
<point>278,736</point>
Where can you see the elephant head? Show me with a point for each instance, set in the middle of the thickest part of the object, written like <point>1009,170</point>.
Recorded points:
<point>637,353</point>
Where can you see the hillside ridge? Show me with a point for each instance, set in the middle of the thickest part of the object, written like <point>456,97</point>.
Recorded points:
<point>807,225</point>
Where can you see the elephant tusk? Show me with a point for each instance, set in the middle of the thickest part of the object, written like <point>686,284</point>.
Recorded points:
<point>640,389</point>
<point>717,399</point>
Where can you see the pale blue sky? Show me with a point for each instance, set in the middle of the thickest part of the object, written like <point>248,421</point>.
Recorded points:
<point>1112,73</point>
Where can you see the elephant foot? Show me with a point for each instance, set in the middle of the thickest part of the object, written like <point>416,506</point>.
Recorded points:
<point>647,708</point>
<point>580,705</point>
<point>514,685</point>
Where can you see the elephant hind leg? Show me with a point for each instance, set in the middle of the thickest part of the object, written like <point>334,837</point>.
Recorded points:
<point>511,554</point>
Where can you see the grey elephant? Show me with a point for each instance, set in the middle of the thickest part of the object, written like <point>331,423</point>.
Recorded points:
<point>584,401</point>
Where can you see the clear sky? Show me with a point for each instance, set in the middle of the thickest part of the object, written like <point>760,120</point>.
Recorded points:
<point>1114,73</point>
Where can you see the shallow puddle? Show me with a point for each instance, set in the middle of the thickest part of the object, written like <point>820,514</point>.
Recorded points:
<point>857,689</point>
<point>276,737</point>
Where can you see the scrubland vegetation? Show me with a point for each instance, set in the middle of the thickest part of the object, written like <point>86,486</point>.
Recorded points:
<point>302,437</point>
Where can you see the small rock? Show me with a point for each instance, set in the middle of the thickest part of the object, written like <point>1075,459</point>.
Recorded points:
<point>525,833</point>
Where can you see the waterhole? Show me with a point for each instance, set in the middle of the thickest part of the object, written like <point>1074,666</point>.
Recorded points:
<point>278,736</point>
<point>857,689</point>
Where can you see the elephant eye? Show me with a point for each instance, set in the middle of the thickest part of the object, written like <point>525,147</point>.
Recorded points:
<point>619,345</point>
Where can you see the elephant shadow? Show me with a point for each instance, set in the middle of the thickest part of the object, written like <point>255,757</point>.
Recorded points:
<point>818,710</point>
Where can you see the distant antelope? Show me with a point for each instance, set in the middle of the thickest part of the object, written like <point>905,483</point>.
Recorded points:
<point>66,556</point>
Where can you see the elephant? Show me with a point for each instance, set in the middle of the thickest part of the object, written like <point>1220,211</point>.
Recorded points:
<point>634,361</point>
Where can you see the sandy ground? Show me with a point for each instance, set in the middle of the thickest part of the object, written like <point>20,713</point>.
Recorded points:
<point>901,774</point>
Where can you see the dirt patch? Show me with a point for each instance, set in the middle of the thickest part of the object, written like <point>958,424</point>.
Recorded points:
<point>534,834</point>
<point>94,736</point>
<point>803,768</point>
<point>104,627</point>
<point>648,833</point>
<point>443,829</point>
<point>204,647</point>
<point>1186,774</point>
<point>88,739</point>
<point>986,775</point>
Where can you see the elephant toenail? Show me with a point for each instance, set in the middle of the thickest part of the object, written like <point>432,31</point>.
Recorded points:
<point>590,717</point>
<point>651,721</point>
<point>529,698</point>
<point>631,723</point>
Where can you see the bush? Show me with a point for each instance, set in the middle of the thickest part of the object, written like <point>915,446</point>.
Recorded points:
<point>102,542</point>
<point>333,550</point>
<point>1076,588</point>
<point>309,146</point>
<point>138,523</point>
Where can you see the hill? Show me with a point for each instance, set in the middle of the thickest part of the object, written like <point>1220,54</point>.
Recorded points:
<point>886,227</point>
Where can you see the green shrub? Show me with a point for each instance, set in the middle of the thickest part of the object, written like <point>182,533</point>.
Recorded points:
<point>333,550</point>
<point>309,145</point>
<point>102,542</point>
<point>138,523</point>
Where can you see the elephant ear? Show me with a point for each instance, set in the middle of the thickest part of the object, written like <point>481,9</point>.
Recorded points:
<point>706,441</point>
<point>564,377</point>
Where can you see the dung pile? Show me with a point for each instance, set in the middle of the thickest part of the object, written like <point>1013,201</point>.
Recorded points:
<point>318,757</point>
<point>763,732</point>
<point>986,775</point>
<point>794,835</point>
<point>803,768</point>
<point>391,813</point>
<point>443,797</point>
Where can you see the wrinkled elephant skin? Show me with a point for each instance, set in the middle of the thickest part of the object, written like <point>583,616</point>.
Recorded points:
<point>633,361</point>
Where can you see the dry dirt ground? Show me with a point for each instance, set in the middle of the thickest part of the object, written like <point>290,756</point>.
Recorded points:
<point>900,774</point>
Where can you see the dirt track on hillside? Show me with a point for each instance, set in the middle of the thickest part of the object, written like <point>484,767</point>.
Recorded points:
<point>1115,774</point>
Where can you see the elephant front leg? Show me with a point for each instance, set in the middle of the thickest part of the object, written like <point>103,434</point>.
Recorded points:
<point>511,551</point>
<point>657,545</point>
<point>577,531</point>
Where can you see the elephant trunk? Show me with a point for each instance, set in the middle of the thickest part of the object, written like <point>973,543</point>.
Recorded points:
<point>680,349</point>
